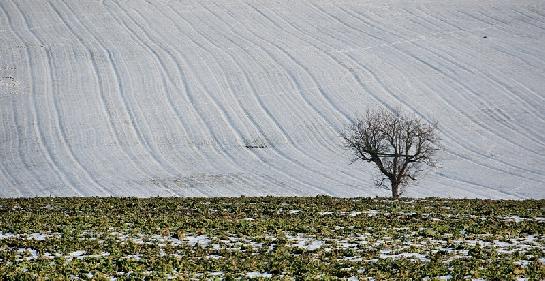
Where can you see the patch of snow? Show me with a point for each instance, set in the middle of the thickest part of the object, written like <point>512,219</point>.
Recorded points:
<point>6,235</point>
<point>133,257</point>
<point>307,243</point>
<point>353,259</point>
<point>386,255</point>
<point>354,213</point>
<point>201,240</point>
<point>258,275</point>
<point>77,254</point>
<point>37,236</point>
<point>32,253</point>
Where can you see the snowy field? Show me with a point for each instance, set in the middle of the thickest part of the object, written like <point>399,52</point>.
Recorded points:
<point>227,97</point>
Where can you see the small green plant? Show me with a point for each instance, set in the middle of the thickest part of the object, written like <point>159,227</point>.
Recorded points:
<point>279,237</point>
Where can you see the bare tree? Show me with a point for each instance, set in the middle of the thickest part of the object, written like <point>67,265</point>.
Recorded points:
<point>401,146</point>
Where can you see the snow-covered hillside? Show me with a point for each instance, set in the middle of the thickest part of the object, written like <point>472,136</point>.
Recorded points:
<point>228,97</point>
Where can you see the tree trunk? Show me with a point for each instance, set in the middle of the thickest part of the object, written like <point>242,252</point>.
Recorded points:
<point>395,190</point>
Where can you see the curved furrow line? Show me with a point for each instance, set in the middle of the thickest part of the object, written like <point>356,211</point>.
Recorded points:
<point>290,140</point>
<point>292,76</point>
<point>326,144</point>
<point>151,150</point>
<point>379,81</point>
<point>230,123</point>
<point>300,90</point>
<point>132,118</point>
<point>246,77</point>
<point>330,56</point>
<point>180,72</point>
<point>490,77</point>
<point>476,18</point>
<point>11,180</point>
<point>503,23</point>
<point>58,118</point>
<point>48,153</point>
<point>380,100</point>
<point>498,45</point>
<point>538,70</point>
<point>8,140</point>
<point>179,116</point>
<point>510,94</point>
<point>20,141</point>
<point>343,23</point>
<point>8,181</point>
<point>425,21</point>
<point>156,154</point>
<point>105,109</point>
<point>239,104</point>
<point>324,95</point>
<point>444,131</point>
<point>485,156</point>
<point>14,181</point>
<point>438,70</point>
<point>36,177</point>
<point>511,53</point>
<point>21,152</point>
<point>223,111</point>
<point>506,30</point>
<point>449,177</point>
<point>532,92</point>
<point>120,90</point>
<point>452,138</point>
<point>492,24</point>
<point>450,135</point>
<point>529,22</point>
<point>107,54</point>
<point>476,96</point>
<point>533,10</point>
<point>434,17</point>
<point>166,79</point>
<point>318,48</point>
<point>480,186</point>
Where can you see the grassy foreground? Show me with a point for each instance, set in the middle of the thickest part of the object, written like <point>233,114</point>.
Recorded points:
<point>279,238</point>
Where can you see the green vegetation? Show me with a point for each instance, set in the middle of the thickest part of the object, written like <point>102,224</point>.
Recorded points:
<point>284,238</point>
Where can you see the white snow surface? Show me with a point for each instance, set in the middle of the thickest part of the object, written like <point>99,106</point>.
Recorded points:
<point>254,274</point>
<point>224,97</point>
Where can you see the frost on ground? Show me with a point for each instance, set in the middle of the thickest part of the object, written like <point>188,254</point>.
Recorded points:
<point>227,98</point>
